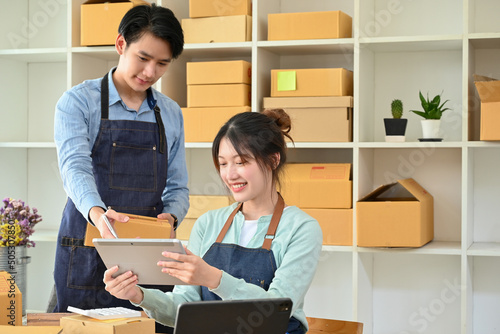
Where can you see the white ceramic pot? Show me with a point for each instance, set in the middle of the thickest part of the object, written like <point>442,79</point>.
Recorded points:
<point>430,128</point>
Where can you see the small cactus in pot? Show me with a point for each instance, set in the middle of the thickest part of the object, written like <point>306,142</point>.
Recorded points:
<point>397,108</point>
<point>395,128</point>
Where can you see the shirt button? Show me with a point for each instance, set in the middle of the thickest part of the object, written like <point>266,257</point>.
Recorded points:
<point>114,144</point>
<point>154,148</point>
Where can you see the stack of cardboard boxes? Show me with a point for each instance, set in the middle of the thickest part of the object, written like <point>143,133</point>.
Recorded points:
<point>100,20</point>
<point>319,100</point>
<point>215,92</point>
<point>324,191</point>
<point>218,21</point>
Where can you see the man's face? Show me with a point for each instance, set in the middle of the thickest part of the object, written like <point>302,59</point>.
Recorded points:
<point>144,61</point>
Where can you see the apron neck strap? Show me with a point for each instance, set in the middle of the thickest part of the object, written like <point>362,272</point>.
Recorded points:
<point>273,226</point>
<point>105,97</point>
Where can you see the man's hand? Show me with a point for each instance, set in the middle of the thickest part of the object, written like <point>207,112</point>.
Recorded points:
<point>170,219</point>
<point>96,215</point>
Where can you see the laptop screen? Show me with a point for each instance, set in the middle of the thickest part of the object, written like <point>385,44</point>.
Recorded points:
<point>270,316</point>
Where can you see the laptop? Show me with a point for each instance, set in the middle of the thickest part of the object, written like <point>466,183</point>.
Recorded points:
<point>265,316</point>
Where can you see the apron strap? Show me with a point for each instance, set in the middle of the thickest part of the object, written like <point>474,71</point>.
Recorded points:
<point>156,109</point>
<point>228,223</point>
<point>273,226</point>
<point>104,97</point>
<point>275,220</point>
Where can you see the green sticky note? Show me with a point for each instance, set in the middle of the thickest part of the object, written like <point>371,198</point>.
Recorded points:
<point>287,81</point>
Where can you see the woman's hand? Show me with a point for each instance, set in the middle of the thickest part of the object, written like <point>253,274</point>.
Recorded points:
<point>96,215</point>
<point>123,286</point>
<point>191,269</point>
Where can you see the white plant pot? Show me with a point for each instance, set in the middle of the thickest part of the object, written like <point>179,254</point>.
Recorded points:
<point>430,128</point>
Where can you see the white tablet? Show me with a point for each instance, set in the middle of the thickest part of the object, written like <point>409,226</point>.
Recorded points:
<point>140,256</point>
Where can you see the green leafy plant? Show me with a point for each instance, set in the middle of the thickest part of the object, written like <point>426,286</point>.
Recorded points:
<point>397,108</point>
<point>433,109</point>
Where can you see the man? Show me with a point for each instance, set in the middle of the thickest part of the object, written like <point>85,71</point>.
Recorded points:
<point>120,148</point>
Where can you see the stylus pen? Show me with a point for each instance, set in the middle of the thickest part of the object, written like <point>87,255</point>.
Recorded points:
<point>108,224</point>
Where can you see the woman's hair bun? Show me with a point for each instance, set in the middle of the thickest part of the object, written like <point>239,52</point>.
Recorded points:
<point>281,118</point>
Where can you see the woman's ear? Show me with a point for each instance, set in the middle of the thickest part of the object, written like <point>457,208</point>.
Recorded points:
<point>276,160</point>
<point>120,44</point>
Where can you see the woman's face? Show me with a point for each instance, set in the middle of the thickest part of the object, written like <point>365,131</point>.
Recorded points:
<point>244,178</point>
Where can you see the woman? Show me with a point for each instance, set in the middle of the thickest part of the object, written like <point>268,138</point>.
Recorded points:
<point>256,248</point>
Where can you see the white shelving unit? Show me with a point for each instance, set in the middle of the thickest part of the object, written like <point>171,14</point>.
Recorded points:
<point>398,48</point>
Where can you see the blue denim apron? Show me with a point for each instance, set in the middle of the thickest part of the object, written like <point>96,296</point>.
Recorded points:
<point>129,160</point>
<point>254,265</point>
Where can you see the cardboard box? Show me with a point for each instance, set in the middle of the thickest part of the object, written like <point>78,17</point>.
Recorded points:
<point>79,324</point>
<point>203,124</point>
<point>318,186</point>
<point>31,329</point>
<point>400,214</point>
<point>218,72</point>
<point>489,93</point>
<point>208,8</point>
<point>198,205</point>
<point>136,227</point>
<point>227,95</point>
<point>317,119</point>
<point>223,29</point>
<point>312,82</point>
<point>310,25</point>
<point>11,302</point>
<point>100,20</point>
<point>336,225</point>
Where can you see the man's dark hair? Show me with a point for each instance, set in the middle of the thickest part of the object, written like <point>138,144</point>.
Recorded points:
<point>159,21</point>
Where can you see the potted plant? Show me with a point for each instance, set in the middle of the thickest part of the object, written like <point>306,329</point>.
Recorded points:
<point>432,112</point>
<point>395,127</point>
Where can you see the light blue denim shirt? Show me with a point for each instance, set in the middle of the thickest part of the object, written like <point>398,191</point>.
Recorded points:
<point>76,125</point>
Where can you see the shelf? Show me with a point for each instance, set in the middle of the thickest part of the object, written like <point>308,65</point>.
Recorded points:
<point>413,144</point>
<point>49,55</point>
<point>27,145</point>
<point>432,248</point>
<point>412,43</point>
<point>226,50</point>
<point>101,52</point>
<point>485,40</point>
<point>484,144</point>
<point>309,47</point>
<point>44,235</point>
<point>484,249</point>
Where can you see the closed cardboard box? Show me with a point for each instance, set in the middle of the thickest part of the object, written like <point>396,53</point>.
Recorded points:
<point>399,214</point>
<point>317,119</point>
<point>198,205</point>
<point>203,124</point>
<point>79,324</point>
<point>318,186</point>
<point>227,95</point>
<point>489,93</point>
<point>311,82</point>
<point>336,225</point>
<point>100,20</point>
<point>218,72</point>
<point>223,29</point>
<point>310,25</point>
<point>11,302</point>
<point>136,227</point>
<point>207,8</point>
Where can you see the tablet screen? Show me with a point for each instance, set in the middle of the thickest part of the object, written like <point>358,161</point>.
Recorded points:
<point>140,256</point>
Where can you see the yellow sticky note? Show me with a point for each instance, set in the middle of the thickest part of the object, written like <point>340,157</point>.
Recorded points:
<point>287,80</point>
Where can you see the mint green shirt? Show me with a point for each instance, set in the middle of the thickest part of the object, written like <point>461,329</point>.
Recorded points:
<point>296,248</point>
